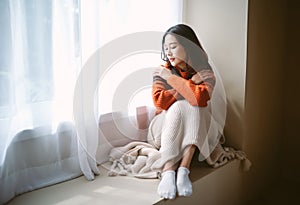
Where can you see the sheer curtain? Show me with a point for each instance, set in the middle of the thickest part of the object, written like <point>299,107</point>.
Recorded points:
<point>39,63</point>
<point>44,45</point>
<point>116,19</point>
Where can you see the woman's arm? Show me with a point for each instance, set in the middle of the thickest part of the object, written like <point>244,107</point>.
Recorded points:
<point>195,94</point>
<point>163,94</point>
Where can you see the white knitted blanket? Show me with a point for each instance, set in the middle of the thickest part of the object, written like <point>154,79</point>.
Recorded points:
<point>136,158</point>
<point>168,135</point>
<point>139,159</point>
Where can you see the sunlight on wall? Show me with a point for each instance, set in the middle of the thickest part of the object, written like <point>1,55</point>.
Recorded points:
<point>96,24</point>
<point>117,73</point>
<point>109,20</point>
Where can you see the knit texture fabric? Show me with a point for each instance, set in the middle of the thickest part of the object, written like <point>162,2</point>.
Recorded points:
<point>186,114</point>
<point>181,125</point>
<point>179,86</point>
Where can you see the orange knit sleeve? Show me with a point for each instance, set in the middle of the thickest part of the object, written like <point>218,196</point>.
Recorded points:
<point>163,95</point>
<point>196,95</point>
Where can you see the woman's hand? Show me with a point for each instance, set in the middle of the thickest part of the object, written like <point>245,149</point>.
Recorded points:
<point>201,76</point>
<point>197,79</point>
<point>162,72</point>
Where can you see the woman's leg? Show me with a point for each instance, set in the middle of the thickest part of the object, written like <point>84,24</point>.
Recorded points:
<point>167,187</point>
<point>170,137</point>
<point>188,156</point>
<point>183,182</point>
<point>170,165</point>
<point>171,140</point>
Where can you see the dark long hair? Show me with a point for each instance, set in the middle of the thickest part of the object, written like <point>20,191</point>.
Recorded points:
<point>186,36</point>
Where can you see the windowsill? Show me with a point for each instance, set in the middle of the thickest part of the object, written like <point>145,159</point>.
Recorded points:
<point>105,189</point>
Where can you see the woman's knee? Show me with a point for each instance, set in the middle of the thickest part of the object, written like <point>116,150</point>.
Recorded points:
<point>183,107</point>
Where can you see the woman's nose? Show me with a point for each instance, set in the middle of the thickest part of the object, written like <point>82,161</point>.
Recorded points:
<point>169,52</point>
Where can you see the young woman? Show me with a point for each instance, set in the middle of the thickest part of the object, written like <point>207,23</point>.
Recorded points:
<point>181,91</point>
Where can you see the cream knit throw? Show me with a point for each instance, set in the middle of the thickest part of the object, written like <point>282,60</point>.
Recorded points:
<point>168,134</point>
<point>136,158</point>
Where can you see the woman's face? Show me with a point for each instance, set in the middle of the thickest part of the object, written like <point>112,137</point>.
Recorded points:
<point>175,52</point>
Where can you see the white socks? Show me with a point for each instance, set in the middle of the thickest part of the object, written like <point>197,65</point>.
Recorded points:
<point>184,184</point>
<point>167,187</point>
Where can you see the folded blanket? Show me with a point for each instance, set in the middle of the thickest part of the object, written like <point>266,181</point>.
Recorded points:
<point>136,158</point>
<point>222,155</point>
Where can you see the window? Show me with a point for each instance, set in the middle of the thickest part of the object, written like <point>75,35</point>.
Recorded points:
<point>116,21</point>
<point>44,45</point>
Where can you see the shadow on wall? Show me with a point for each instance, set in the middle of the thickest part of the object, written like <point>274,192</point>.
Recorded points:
<point>234,125</point>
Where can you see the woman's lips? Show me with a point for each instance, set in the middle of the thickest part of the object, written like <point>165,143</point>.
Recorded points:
<point>171,59</point>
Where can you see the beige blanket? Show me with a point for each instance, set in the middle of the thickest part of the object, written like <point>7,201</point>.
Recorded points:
<point>138,159</point>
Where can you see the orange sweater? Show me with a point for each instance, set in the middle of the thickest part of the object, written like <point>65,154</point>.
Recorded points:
<point>178,87</point>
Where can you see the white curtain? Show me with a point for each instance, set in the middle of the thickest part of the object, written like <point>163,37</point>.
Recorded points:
<point>117,18</point>
<point>39,63</point>
<point>44,45</point>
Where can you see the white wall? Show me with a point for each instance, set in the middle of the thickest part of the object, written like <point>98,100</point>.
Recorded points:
<point>222,29</point>
<point>271,112</point>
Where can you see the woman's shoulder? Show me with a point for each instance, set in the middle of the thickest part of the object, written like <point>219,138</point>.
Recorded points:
<point>208,76</point>
<point>206,70</point>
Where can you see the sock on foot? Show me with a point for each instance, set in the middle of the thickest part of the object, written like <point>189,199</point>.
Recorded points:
<point>167,186</point>
<point>184,184</point>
